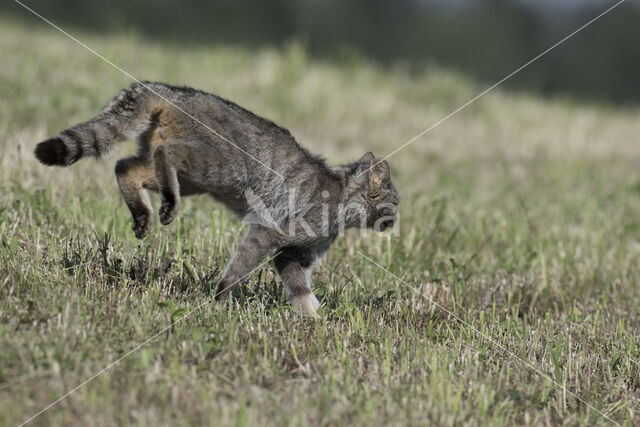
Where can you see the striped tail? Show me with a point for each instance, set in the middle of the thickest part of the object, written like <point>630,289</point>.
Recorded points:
<point>126,117</point>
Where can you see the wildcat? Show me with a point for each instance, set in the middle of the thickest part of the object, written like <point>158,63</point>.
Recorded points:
<point>193,142</point>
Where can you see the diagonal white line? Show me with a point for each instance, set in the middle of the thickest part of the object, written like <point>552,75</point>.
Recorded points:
<point>493,86</point>
<point>126,73</point>
<point>491,339</point>
<point>139,346</point>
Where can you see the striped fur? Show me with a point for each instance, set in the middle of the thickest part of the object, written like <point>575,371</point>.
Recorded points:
<point>193,142</point>
<point>125,118</point>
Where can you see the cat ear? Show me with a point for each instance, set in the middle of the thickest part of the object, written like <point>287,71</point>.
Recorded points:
<point>378,174</point>
<point>368,157</point>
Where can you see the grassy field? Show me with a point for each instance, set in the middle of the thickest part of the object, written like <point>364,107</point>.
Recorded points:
<point>519,215</point>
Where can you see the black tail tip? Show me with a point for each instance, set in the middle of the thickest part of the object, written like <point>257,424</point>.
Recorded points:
<point>52,152</point>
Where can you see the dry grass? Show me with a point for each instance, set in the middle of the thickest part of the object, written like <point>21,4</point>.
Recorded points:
<point>519,215</point>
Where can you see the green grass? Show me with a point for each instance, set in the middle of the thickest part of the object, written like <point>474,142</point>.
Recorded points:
<point>519,215</point>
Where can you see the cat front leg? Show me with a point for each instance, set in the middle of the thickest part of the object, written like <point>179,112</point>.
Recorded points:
<point>294,266</point>
<point>255,246</point>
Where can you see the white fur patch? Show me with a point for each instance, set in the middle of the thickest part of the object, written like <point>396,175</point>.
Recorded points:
<point>307,304</point>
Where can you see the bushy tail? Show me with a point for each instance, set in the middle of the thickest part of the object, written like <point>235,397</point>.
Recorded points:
<point>126,117</point>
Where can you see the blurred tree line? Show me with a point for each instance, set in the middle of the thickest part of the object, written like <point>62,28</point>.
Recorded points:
<point>485,39</point>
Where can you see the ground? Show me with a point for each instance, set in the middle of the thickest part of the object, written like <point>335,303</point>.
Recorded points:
<point>519,216</point>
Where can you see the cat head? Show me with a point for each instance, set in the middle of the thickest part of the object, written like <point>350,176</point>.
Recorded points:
<point>375,192</point>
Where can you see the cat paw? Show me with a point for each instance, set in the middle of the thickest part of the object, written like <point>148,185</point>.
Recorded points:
<point>141,225</point>
<point>307,304</point>
<point>222,291</point>
<point>167,212</point>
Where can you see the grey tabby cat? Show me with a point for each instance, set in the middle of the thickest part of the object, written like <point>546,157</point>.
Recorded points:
<point>293,203</point>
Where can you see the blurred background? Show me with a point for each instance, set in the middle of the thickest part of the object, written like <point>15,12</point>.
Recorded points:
<point>484,39</point>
